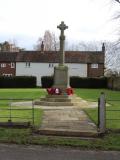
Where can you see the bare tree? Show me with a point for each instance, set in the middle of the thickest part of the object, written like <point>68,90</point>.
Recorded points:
<point>38,45</point>
<point>117,1</point>
<point>50,42</point>
<point>55,43</point>
<point>112,57</point>
<point>112,52</point>
<point>85,46</point>
<point>90,46</point>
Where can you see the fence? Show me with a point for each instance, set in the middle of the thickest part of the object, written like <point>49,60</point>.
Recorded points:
<point>16,111</point>
<point>113,114</point>
<point>108,114</point>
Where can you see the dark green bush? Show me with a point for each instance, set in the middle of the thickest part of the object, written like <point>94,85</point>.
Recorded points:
<point>47,81</point>
<point>77,82</point>
<point>17,82</point>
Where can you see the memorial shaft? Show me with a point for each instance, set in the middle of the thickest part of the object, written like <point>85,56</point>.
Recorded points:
<point>62,27</point>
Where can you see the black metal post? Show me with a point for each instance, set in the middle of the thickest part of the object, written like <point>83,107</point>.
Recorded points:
<point>98,113</point>
<point>33,112</point>
<point>10,112</point>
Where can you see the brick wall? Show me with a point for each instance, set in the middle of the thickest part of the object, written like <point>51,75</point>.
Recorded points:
<point>7,69</point>
<point>95,72</point>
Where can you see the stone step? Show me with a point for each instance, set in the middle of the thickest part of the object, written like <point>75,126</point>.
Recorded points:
<point>54,132</point>
<point>59,96</point>
<point>56,99</point>
<point>46,103</point>
<point>61,99</point>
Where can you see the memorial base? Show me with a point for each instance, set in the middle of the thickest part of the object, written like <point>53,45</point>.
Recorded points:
<point>61,78</point>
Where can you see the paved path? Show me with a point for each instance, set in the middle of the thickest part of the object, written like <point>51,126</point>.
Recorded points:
<point>21,152</point>
<point>67,121</point>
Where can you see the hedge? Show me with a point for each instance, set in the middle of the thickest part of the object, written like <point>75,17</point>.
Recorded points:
<point>46,81</point>
<point>17,82</point>
<point>77,82</point>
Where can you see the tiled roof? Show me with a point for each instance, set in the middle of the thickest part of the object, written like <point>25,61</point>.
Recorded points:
<point>8,56</point>
<point>53,56</point>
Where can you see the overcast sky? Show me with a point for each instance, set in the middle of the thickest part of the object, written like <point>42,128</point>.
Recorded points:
<point>26,20</point>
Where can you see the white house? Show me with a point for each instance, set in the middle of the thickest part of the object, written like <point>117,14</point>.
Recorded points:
<point>41,63</point>
<point>83,64</point>
<point>45,69</point>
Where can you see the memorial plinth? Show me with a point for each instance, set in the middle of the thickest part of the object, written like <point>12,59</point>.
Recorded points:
<point>61,77</point>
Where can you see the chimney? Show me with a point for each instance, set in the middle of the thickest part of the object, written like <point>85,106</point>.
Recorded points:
<point>103,47</point>
<point>42,47</point>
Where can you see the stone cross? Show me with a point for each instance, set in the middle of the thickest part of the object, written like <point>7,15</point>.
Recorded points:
<point>62,27</point>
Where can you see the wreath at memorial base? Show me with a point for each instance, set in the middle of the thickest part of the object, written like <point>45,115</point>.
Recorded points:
<point>57,91</point>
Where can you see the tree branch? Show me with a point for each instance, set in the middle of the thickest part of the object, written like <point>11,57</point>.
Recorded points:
<point>117,1</point>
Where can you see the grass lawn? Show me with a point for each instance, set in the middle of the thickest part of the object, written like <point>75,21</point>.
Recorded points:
<point>21,115</point>
<point>93,94</point>
<point>112,98</point>
<point>31,93</point>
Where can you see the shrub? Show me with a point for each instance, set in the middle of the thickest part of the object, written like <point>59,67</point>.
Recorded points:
<point>47,81</point>
<point>17,82</point>
<point>77,82</point>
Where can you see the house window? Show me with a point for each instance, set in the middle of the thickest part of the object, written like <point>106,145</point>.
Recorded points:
<point>7,75</point>
<point>28,64</point>
<point>94,65</point>
<point>51,65</point>
<point>3,65</point>
<point>12,65</point>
